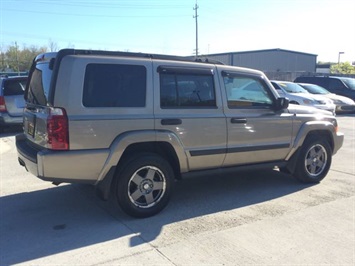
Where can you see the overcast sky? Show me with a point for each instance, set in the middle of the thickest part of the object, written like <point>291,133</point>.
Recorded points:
<point>322,27</point>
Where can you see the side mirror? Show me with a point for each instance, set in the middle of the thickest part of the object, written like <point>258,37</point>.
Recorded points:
<point>281,103</point>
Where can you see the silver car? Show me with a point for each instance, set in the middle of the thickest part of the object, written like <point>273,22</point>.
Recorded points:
<point>298,95</point>
<point>343,104</point>
<point>12,100</point>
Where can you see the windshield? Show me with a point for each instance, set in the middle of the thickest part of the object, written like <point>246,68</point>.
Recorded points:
<point>315,89</point>
<point>349,82</point>
<point>292,87</point>
<point>39,84</point>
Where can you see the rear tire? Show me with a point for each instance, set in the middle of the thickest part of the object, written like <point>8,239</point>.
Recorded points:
<point>314,160</point>
<point>144,185</point>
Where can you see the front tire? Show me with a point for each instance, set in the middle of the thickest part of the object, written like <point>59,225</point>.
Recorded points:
<point>314,160</point>
<point>144,185</point>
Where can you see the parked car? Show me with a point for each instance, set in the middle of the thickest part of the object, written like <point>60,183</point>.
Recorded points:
<point>343,104</point>
<point>298,95</point>
<point>132,123</point>
<point>12,100</point>
<point>338,85</point>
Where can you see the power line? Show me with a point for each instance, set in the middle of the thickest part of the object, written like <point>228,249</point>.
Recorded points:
<point>89,15</point>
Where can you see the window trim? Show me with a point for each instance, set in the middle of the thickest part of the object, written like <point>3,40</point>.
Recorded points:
<point>185,70</point>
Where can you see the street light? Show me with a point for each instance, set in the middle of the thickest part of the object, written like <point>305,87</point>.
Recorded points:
<point>339,57</point>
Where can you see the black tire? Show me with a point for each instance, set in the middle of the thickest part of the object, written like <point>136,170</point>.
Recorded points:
<point>144,185</point>
<point>314,160</point>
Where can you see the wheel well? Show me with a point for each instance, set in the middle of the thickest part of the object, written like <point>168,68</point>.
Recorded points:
<point>315,133</point>
<point>294,102</point>
<point>322,133</point>
<point>164,149</point>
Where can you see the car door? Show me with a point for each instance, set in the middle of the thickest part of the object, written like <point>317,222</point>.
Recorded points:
<point>188,105</point>
<point>256,132</point>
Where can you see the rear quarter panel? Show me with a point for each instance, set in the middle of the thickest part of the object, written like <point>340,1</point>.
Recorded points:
<point>97,127</point>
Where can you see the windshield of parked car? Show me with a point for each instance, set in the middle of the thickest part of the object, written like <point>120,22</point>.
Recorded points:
<point>314,89</point>
<point>349,82</point>
<point>292,87</point>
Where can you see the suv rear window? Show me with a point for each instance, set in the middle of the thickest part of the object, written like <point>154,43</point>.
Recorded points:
<point>114,85</point>
<point>14,86</point>
<point>39,83</point>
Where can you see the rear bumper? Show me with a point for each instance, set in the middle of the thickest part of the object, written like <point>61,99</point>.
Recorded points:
<point>6,119</point>
<point>82,166</point>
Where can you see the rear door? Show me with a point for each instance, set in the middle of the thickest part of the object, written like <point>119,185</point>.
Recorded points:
<point>14,89</point>
<point>189,105</point>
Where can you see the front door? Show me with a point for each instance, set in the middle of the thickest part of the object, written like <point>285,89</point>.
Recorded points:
<point>256,132</point>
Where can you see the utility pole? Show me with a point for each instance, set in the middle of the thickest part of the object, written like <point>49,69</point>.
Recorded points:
<point>195,17</point>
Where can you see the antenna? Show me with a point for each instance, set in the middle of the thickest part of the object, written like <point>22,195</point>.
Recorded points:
<point>195,17</point>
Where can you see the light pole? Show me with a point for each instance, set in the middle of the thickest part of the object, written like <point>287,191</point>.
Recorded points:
<point>339,57</point>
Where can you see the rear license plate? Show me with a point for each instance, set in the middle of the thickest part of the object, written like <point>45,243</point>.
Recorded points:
<point>31,125</point>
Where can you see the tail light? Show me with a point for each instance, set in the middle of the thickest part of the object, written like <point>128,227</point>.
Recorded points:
<point>58,129</point>
<point>2,104</point>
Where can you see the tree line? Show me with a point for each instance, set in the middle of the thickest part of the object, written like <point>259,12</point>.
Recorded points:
<point>15,59</point>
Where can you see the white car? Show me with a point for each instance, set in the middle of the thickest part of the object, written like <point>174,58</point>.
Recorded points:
<point>298,95</point>
<point>343,104</point>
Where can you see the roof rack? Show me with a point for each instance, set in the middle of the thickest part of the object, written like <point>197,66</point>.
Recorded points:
<point>138,55</point>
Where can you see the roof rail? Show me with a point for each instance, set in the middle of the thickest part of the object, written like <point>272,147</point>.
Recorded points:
<point>139,55</point>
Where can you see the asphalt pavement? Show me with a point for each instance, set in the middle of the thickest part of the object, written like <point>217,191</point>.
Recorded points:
<point>247,218</point>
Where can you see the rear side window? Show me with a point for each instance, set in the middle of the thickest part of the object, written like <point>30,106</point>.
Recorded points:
<point>180,90</point>
<point>336,84</point>
<point>113,85</point>
<point>14,86</point>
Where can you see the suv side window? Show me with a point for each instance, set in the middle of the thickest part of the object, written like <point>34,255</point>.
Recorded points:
<point>182,90</point>
<point>114,85</point>
<point>244,91</point>
<point>336,84</point>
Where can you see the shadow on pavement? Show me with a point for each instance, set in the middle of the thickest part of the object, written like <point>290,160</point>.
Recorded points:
<point>59,219</point>
<point>10,131</point>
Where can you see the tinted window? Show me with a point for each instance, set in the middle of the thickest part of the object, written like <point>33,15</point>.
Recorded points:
<point>14,86</point>
<point>38,89</point>
<point>246,92</point>
<point>186,90</point>
<point>111,85</point>
<point>335,84</point>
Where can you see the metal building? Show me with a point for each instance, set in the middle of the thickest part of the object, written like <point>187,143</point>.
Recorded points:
<point>271,60</point>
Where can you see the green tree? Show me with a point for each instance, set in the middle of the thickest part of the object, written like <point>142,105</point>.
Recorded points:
<point>342,68</point>
<point>20,60</point>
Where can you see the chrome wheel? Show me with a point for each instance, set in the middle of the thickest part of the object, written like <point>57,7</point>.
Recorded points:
<point>316,160</point>
<point>146,187</point>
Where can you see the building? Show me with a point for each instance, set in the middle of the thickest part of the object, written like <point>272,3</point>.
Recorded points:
<point>276,63</point>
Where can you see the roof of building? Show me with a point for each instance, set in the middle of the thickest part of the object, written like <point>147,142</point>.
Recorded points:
<point>265,50</point>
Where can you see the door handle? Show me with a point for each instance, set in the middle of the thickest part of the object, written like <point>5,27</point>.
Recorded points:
<point>238,120</point>
<point>171,122</point>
